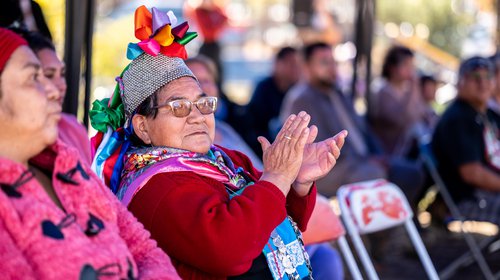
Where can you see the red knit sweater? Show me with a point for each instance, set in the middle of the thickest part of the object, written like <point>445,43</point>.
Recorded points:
<point>207,235</point>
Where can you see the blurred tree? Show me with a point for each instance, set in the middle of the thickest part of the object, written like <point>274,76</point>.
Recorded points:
<point>54,11</point>
<point>110,45</point>
<point>447,24</point>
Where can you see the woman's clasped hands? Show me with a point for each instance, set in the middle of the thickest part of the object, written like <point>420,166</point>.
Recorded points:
<point>294,159</point>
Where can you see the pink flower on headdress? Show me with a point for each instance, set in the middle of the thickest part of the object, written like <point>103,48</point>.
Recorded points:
<point>156,35</point>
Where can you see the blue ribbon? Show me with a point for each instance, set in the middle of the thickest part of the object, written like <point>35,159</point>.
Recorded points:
<point>133,51</point>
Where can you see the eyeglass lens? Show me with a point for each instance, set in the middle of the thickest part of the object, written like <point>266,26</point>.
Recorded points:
<point>182,108</point>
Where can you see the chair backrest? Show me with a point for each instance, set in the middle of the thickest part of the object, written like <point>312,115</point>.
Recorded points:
<point>377,205</point>
<point>373,205</point>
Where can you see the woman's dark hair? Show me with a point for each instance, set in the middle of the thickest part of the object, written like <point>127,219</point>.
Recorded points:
<point>36,41</point>
<point>394,57</point>
<point>147,109</point>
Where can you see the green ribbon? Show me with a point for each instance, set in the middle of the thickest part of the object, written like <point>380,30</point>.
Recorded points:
<point>187,38</point>
<point>101,115</point>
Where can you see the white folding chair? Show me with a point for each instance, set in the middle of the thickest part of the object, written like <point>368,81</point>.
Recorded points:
<point>325,226</point>
<point>376,205</point>
<point>349,258</point>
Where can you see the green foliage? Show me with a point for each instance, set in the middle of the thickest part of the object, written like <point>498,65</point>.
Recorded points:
<point>447,28</point>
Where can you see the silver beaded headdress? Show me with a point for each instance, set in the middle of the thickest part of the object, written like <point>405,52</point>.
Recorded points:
<point>157,59</point>
<point>146,74</point>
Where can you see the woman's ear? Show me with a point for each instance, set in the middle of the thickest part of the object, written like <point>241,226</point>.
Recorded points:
<point>140,128</point>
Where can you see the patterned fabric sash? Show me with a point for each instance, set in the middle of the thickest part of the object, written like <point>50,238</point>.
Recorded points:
<point>142,164</point>
<point>284,251</point>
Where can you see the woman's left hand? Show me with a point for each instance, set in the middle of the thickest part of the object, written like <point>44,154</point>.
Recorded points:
<point>319,159</point>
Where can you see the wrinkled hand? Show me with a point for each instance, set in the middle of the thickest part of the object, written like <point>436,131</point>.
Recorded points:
<point>282,159</point>
<point>319,158</point>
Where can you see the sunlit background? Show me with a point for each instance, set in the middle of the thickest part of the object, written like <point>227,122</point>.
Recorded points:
<point>441,32</point>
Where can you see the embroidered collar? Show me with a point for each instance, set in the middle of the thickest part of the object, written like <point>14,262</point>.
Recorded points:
<point>138,161</point>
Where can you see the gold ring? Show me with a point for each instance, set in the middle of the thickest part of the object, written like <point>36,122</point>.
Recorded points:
<point>288,137</point>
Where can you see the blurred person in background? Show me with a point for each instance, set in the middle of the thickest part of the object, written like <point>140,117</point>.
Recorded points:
<point>428,88</point>
<point>394,109</point>
<point>362,158</point>
<point>494,102</point>
<point>265,104</point>
<point>332,111</point>
<point>206,72</point>
<point>466,143</point>
<point>421,133</point>
<point>71,132</point>
<point>422,129</point>
<point>57,219</point>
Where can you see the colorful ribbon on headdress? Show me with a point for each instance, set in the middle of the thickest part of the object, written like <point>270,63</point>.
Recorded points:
<point>109,111</point>
<point>156,35</point>
<point>112,140</point>
<point>109,145</point>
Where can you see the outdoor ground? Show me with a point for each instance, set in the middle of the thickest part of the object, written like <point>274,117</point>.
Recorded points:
<point>401,262</point>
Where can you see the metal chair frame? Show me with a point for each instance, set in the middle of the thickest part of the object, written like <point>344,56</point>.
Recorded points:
<point>475,248</point>
<point>354,233</point>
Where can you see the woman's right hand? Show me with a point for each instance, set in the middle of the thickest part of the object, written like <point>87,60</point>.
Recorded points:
<point>283,158</point>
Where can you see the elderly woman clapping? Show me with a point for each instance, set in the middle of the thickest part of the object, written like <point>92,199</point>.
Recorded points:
<point>57,220</point>
<point>214,214</point>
